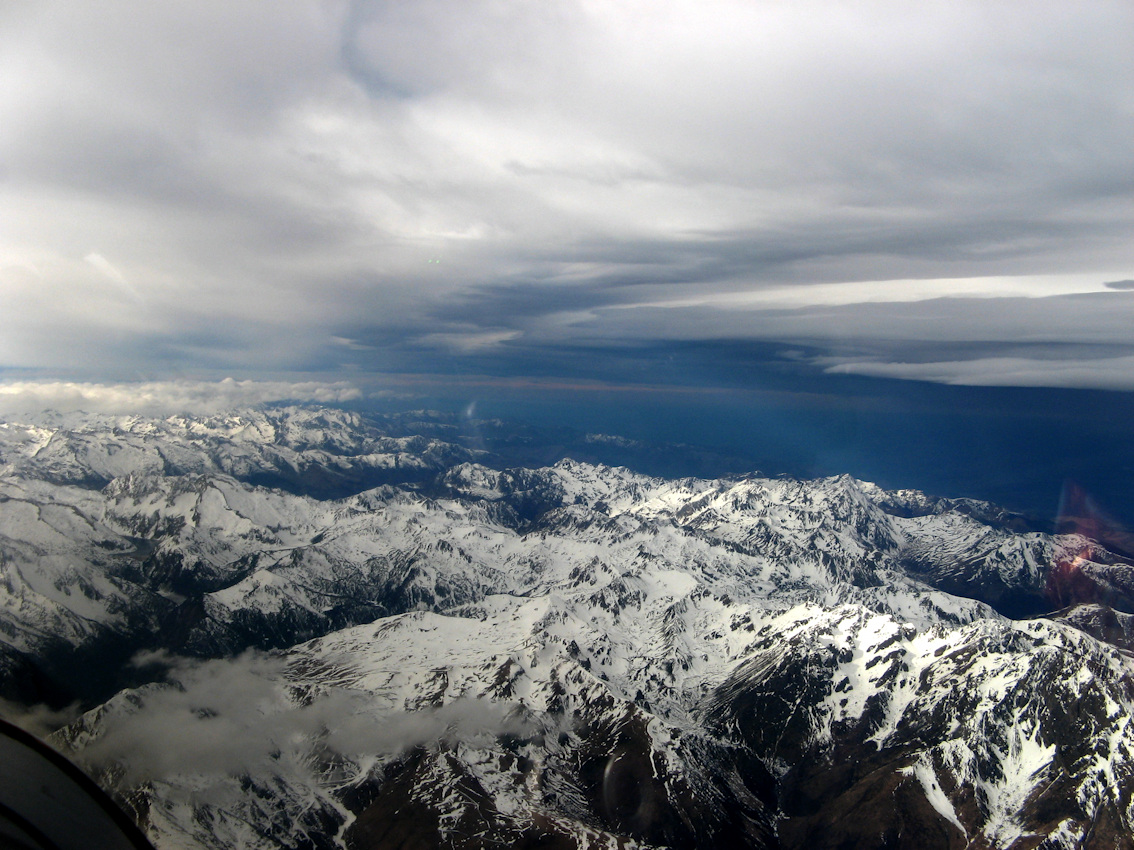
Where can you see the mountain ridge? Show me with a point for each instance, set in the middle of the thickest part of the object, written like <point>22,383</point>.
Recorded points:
<point>578,654</point>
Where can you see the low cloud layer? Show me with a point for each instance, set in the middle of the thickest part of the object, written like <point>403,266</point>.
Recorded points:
<point>234,716</point>
<point>254,187</point>
<point>40,720</point>
<point>165,397</point>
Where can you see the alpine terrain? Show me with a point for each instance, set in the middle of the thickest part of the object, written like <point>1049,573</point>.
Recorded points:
<point>306,628</point>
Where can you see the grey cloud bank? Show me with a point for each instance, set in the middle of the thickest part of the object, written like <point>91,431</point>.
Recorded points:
<point>324,185</point>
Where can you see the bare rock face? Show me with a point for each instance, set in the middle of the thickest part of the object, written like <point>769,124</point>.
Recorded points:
<point>999,733</point>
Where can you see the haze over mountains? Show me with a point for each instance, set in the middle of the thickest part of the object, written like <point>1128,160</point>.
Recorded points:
<point>332,630</point>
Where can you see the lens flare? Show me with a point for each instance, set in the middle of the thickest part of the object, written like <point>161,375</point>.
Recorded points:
<point>1086,572</point>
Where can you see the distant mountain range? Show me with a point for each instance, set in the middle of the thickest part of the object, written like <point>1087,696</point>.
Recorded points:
<point>307,628</point>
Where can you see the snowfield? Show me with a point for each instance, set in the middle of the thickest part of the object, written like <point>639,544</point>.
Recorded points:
<point>579,655</point>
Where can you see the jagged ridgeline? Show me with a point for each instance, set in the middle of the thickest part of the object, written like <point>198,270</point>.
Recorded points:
<point>304,627</point>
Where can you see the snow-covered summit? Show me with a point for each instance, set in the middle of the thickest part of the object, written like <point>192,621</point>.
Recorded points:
<point>576,653</point>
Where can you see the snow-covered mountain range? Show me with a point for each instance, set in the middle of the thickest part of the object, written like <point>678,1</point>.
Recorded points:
<point>303,627</point>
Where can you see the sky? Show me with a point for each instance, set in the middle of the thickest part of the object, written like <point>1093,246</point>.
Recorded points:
<point>659,196</point>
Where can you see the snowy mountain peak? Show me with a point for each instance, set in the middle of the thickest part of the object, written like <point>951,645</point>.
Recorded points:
<point>396,644</point>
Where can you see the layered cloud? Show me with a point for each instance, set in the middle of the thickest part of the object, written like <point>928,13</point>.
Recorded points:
<point>327,184</point>
<point>1112,373</point>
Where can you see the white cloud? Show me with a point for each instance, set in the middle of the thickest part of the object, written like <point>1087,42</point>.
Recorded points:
<point>1113,373</point>
<point>892,291</point>
<point>228,717</point>
<point>477,341</point>
<point>111,272</point>
<point>165,397</point>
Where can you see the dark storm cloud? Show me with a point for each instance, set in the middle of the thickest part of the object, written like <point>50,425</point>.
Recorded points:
<point>251,186</point>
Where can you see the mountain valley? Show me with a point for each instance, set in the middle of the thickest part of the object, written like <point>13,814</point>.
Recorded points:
<point>304,627</point>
